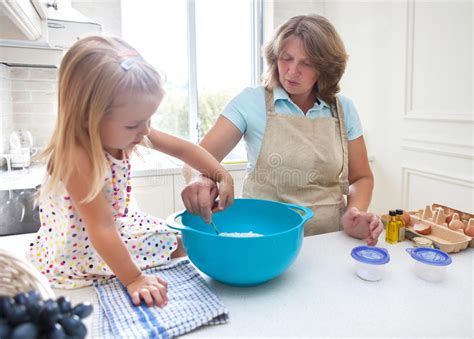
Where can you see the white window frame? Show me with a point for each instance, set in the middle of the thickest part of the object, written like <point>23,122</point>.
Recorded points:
<point>256,7</point>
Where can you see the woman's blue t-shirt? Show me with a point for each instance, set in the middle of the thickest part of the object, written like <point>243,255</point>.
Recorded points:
<point>247,112</point>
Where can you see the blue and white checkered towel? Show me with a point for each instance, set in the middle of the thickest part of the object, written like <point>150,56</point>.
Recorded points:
<point>190,304</point>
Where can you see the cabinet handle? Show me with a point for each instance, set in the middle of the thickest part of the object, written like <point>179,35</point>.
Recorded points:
<point>55,25</point>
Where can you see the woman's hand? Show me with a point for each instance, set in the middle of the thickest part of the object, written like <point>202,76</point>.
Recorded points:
<point>149,288</point>
<point>362,225</point>
<point>199,196</point>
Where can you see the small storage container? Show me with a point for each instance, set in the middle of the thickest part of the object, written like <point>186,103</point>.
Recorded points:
<point>370,262</point>
<point>430,263</point>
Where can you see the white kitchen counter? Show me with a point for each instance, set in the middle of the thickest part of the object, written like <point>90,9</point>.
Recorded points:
<point>320,295</point>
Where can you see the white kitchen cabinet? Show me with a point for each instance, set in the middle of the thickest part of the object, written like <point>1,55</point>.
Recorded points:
<point>179,184</point>
<point>23,15</point>
<point>154,194</point>
<point>27,37</point>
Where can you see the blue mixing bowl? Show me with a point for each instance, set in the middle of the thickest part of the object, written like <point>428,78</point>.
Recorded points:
<point>244,261</point>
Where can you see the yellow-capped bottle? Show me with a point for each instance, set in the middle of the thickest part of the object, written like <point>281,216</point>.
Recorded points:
<point>391,229</point>
<point>401,225</point>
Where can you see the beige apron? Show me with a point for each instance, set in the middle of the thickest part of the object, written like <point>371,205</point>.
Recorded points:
<point>303,161</point>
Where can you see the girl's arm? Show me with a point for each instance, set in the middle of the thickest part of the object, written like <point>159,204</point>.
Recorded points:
<point>198,158</point>
<point>201,192</point>
<point>100,226</point>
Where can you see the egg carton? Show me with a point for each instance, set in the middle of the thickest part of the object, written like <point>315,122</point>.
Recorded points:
<point>446,235</point>
<point>466,218</point>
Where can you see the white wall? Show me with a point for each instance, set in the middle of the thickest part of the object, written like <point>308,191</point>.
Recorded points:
<point>28,100</point>
<point>6,108</point>
<point>34,97</point>
<point>375,38</point>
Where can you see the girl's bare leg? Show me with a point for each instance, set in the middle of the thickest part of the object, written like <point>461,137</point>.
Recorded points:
<point>179,252</point>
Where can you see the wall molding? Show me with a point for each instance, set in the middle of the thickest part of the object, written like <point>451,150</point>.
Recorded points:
<point>421,114</point>
<point>408,172</point>
<point>457,150</point>
<point>411,114</point>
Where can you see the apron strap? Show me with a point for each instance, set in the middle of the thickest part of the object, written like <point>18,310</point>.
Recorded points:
<point>344,177</point>
<point>269,104</point>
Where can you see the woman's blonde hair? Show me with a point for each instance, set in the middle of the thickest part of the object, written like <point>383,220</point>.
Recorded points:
<point>323,46</point>
<point>94,71</point>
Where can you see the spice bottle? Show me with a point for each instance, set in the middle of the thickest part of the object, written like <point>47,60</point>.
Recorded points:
<point>391,229</point>
<point>401,225</point>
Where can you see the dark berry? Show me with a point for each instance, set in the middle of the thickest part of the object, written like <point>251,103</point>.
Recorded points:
<point>18,315</point>
<point>25,331</point>
<point>73,326</point>
<point>6,304</point>
<point>83,310</point>
<point>49,314</point>
<point>64,304</point>
<point>21,299</point>
<point>4,328</point>
<point>33,297</point>
<point>56,332</point>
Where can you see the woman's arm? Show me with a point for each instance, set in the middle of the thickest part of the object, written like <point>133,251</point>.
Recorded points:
<point>201,192</point>
<point>198,158</point>
<point>356,220</point>
<point>193,155</point>
<point>219,141</point>
<point>221,138</point>
<point>361,180</point>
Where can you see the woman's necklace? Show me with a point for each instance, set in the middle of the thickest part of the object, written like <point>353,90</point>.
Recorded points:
<point>116,190</point>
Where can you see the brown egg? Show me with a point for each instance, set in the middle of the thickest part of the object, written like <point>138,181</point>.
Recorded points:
<point>456,225</point>
<point>452,216</point>
<point>422,229</point>
<point>469,230</point>
<point>406,218</point>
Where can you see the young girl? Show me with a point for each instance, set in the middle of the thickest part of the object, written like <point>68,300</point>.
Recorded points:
<point>107,95</point>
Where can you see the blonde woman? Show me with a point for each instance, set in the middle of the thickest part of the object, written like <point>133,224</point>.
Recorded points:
<point>107,95</point>
<point>304,141</point>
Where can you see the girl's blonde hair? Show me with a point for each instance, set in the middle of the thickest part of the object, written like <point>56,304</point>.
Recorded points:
<point>323,46</point>
<point>92,74</point>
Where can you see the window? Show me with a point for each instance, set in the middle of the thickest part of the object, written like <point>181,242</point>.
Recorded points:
<point>208,51</point>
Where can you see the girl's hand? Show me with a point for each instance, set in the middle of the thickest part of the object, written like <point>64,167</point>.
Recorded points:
<point>149,288</point>
<point>362,225</point>
<point>226,193</point>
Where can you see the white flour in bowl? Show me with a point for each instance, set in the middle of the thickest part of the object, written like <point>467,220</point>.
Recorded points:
<point>240,235</point>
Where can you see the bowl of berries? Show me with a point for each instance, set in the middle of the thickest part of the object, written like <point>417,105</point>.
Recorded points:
<point>28,307</point>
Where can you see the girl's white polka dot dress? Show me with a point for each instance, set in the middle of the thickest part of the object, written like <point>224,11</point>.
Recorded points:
<point>63,252</point>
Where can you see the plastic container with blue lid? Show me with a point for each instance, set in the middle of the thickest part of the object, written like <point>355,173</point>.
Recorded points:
<point>370,262</point>
<point>430,263</point>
